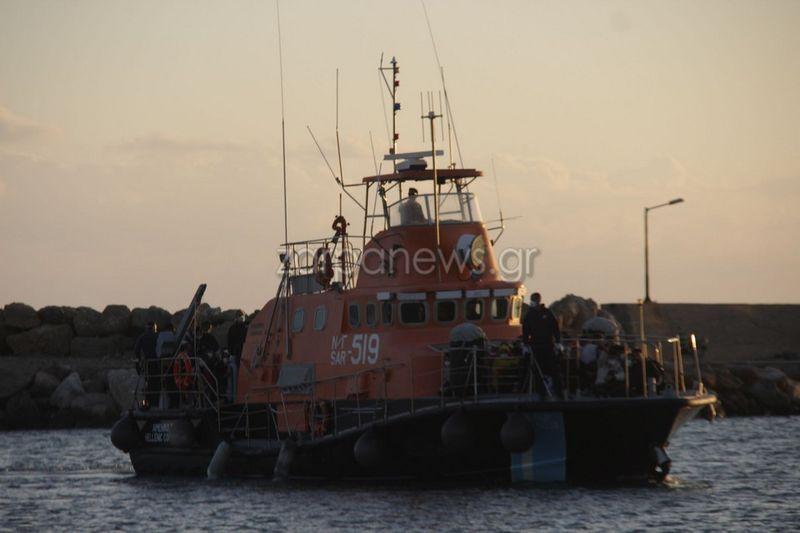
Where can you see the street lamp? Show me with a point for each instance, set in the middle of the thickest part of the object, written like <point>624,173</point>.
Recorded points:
<point>646,251</point>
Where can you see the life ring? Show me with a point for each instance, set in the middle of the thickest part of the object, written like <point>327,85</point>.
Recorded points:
<point>323,266</point>
<point>339,225</point>
<point>182,371</point>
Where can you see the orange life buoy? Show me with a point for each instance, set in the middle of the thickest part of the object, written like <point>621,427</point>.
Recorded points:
<point>339,225</point>
<point>182,371</point>
<point>323,266</point>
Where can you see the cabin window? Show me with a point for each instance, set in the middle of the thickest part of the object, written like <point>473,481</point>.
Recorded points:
<point>320,316</point>
<point>516,308</point>
<point>354,316</point>
<point>413,312</point>
<point>386,313</point>
<point>298,320</point>
<point>371,315</point>
<point>445,311</point>
<point>474,309</point>
<point>499,310</point>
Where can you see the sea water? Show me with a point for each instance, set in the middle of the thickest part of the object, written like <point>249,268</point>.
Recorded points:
<point>734,474</point>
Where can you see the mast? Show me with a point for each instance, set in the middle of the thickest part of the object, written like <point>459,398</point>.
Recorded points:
<point>286,260</point>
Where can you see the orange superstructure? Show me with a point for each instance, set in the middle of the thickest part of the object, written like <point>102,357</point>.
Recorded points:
<point>408,293</point>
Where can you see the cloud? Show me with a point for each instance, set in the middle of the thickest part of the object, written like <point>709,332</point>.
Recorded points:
<point>659,172</point>
<point>166,145</point>
<point>549,174</point>
<point>16,128</point>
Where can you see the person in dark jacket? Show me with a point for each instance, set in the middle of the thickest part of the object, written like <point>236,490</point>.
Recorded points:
<point>147,360</point>
<point>541,332</point>
<point>236,337</point>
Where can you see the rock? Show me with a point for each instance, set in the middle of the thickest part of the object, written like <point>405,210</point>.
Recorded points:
<point>14,379</point>
<point>59,370</point>
<point>140,317</point>
<point>220,333</point>
<point>67,391</point>
<point>69,314</point>
<point>44,384</point>
<point>93,409</point>
<point>747,374</point>
<point>20,316</point>
<point>709,377</point>
<point>572,311</point>
<point>5,349</point>
<point>725,380</point>
<point>23,412</point>
<point>43,340</point>
<point>229,315</point>
<point>791,389</point>
<point>87,322</point>
<point>114,346</point>
<point>96,383</point>
<point>770,374</point>
<point>122,385</point>
<point>116,320</point>
<point>770,396</point>
<point>735,402</point>
<point>53,314</point>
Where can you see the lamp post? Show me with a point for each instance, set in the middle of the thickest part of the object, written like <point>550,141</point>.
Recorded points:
<point>646,247</point>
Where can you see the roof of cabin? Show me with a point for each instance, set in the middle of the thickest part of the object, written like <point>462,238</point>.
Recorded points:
<point>425,175</point>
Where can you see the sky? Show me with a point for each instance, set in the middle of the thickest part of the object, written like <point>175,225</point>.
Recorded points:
<point>140,141</point>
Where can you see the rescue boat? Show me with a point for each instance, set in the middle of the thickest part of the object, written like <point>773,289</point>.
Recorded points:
<point>395,353</point>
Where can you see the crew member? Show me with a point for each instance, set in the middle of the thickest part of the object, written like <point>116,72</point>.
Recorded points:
<point>541,332</point>
<point>236,337</point>
<point>147,360</point>
<point>165,349</point>
<point>411,212</point>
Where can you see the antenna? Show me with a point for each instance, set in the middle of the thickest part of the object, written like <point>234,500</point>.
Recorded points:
<point>499,206</point>
<point>286,259</point>
<point>338,146</point>
<point>338,182</point>
<point>395,104</point>
<point>283,130</point>
<point>450,119</point>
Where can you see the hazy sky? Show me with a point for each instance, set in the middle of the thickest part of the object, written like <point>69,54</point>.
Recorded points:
<point>140,140</point>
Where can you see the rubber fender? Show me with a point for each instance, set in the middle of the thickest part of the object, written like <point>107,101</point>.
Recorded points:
<point>125,434</point>
<point>285,458</point>
<point>517,433</point>
<point>458,432</point>
<point>370,450</point>
<point>216,467</point>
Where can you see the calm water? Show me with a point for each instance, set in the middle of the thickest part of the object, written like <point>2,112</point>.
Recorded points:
<point>736,474</point>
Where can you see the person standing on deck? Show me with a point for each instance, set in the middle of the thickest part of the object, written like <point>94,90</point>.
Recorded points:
<point>541,332</point>
<point>411,213</point>
<point>145,351</point>
<point>236,337</point>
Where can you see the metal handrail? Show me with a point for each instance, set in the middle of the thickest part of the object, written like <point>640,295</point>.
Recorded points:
<point>489,375</point>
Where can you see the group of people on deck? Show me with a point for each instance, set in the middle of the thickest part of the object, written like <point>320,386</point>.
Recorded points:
<point>170,365</point>
<point>601,359</point>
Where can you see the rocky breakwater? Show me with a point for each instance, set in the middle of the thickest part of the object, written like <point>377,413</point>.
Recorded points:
<point>74,366</point>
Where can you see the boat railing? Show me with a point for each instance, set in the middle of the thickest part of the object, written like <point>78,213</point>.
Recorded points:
<point>637,366</point>
<point>337,405</point>
<point>178,382</point>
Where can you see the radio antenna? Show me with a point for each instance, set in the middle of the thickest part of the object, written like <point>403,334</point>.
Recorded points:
<point>286,259</point>
<point>499,206</point>
<point>338,146</point>
<point>450,119</point>
<point>283,131</point>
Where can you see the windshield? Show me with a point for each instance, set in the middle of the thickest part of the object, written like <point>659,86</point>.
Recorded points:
<point>419,210</point>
